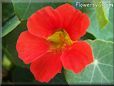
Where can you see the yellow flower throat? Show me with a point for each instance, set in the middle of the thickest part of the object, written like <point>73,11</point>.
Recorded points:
<point>60,39</point>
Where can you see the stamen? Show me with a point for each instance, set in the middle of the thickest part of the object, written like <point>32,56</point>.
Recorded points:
<point>59,40</point>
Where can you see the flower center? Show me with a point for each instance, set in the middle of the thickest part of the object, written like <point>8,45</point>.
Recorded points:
<point>60,39</point>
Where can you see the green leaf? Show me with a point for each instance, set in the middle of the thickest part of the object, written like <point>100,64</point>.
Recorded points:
<point>9,45</point>
<point>101,12</point>
<point>107,32</point>
<point>103,34</point>
<point>10,25</point>
<point>6,62</point>
<point>88,36</point>
<point>7,11</point>
<point>100,71</point>
<point>101,8</point>
<point>26,9</point>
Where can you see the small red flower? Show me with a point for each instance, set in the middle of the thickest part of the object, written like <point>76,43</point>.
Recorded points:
<point>52,42</point>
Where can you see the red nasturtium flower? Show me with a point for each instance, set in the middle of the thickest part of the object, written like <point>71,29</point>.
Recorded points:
<point>52,41</point>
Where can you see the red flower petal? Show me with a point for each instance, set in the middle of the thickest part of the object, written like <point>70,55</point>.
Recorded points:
<point>77,56</point>
<point>78,26</point>
<point>43,23</point>
<point>66,12</point>
<point>46,67</point>
<point>30,47</point>
<point>74,22</point>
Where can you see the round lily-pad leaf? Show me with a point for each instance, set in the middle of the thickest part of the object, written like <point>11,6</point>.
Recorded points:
<point>98,72</point>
